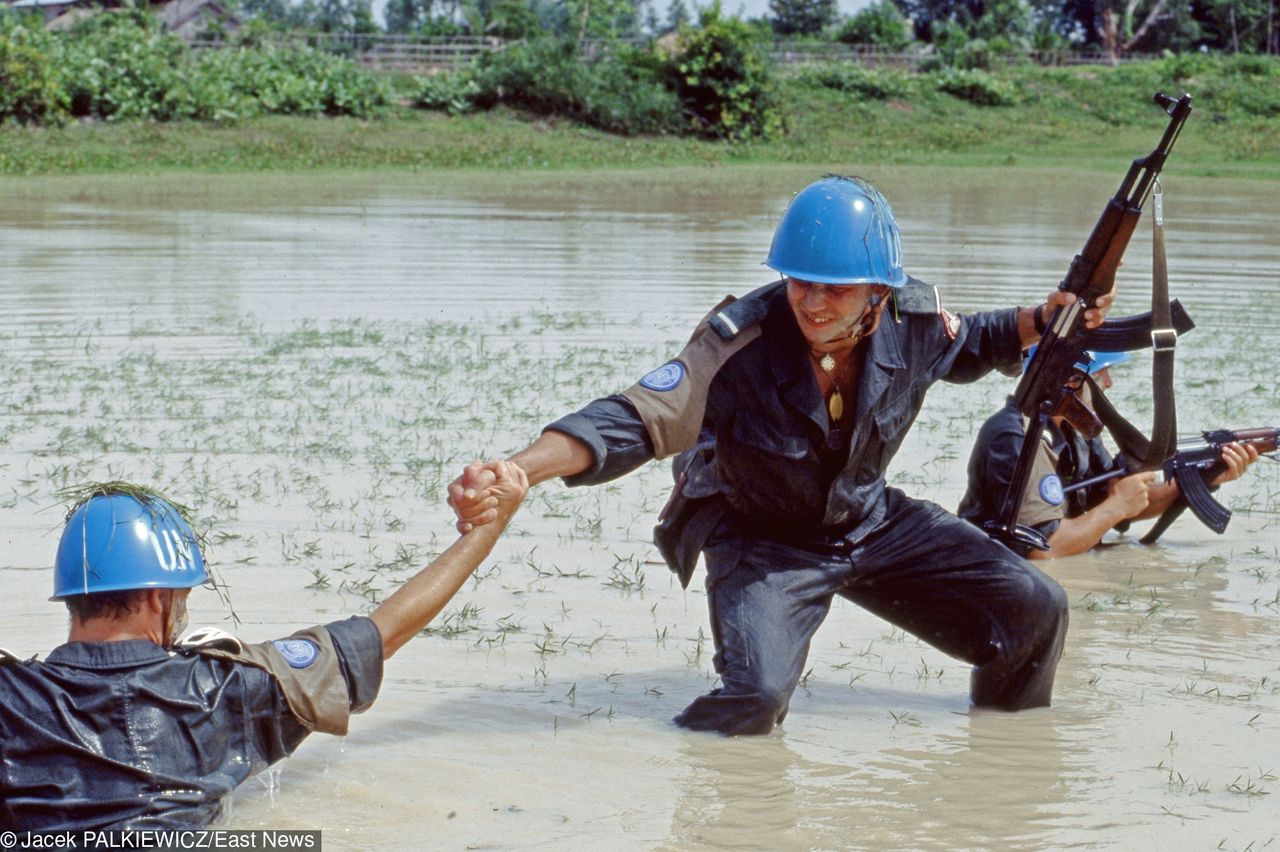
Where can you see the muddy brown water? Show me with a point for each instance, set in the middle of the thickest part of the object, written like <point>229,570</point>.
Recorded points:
<point>308,359</point>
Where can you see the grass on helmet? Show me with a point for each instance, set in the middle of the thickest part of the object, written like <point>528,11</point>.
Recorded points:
<point>81,493</point>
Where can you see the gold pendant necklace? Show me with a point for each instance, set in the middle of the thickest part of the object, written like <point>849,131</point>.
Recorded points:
<point>835,405</point>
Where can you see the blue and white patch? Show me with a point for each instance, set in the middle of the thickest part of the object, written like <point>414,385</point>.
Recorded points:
<point>665,378</point>
<point>298,653</point>
<point>1051,489</point>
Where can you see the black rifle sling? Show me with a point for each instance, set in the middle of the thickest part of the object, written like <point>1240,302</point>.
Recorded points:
<point>1149,454</point>
<point>1165,521</point>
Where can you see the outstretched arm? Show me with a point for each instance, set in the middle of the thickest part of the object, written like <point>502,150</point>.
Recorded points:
<point>552,454</point>
<point>403,615</point>
<point>1127,499</point>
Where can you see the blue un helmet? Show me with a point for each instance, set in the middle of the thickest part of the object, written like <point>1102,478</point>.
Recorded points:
<point>1099,361</point>
<point>838,230</point>
<point>117,542</point>
<point>1091,362</point>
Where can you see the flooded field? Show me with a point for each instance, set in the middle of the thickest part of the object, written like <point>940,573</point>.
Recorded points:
<point>308,360</point>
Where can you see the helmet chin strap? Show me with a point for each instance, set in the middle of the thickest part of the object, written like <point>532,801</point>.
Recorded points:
<point>865,322</point>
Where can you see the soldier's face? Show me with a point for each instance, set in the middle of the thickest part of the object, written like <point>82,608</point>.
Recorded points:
<point>828,313</point>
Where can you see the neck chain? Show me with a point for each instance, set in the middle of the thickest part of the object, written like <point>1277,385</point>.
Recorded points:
<point>835,403</point>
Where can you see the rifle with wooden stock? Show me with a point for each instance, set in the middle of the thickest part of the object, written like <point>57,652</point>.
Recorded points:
<point>1195,464</point>
<point>1047,388</point>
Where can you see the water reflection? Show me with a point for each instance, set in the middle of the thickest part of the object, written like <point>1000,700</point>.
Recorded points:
<point>619,247</point>
<point>970,789</point>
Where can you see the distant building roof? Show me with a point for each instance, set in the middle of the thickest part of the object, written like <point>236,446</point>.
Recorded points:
<point>187,18</point>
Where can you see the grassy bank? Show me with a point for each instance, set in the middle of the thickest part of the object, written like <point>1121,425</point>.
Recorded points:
<point>1079,118</point>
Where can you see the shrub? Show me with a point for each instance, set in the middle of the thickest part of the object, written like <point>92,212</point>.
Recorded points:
<point>30,85</point>
<point>618,91</point>
<point>121,64</point>
<point>858,80</point>
<point>452,93</point>
<point>307,81</point>
<point>975,86</point>
<point>880,23</point>
<point>1244,84</point>
<point>723,81</point>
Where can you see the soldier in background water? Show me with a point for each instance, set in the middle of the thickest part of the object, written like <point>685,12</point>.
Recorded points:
<point>1071,522</point>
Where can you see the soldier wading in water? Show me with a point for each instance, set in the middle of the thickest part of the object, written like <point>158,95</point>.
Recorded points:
<point>126,727</point>
<point>785,408</point>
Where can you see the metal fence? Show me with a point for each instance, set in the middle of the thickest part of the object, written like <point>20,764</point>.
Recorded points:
<point>874,56</point>
<point>416,54</point>
<point>427,54</point>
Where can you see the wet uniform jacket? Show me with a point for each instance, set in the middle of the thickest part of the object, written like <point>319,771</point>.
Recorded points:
<point>743,390</point>
<point>116,735</point>
<point>1064,457</point>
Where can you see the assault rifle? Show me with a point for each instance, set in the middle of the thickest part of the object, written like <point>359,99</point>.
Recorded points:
<point>1045,389</point>
<point>1197,462</point>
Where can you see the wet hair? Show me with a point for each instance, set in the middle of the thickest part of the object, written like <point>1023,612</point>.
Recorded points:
<point>105,604</point>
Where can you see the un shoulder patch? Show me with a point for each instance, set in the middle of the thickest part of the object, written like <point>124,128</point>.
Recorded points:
<point>1051,489</point>
<point>298,653</point>
<point>665,378</point>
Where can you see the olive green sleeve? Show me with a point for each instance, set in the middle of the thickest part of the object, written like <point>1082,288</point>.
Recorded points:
<point>672,410</point>
<point>1036,509</point>
<point>312,683</point>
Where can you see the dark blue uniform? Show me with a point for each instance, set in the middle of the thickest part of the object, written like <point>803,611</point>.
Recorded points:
<point>1064,457</point>
<point>791,513</point>
<point>129,735</point>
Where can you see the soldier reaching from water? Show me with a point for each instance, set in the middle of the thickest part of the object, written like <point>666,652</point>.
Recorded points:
<point>124,727</point>
<point>788,405</point>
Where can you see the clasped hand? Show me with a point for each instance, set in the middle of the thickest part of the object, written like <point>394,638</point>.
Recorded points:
<point>487,492</point>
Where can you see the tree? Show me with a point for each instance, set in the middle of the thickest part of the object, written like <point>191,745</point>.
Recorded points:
<point>508,19</point>
<point>926,15</point>
<point>801,17</point>
<point>677,15</point>
<point>404,16</point>
<point>272,11</point>
<point>1119,26</point>
<point>1240,26</point>
<point>880,23</point>
<point>334,16</point>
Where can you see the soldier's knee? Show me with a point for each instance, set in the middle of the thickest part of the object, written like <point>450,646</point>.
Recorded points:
<point>1053,603</point>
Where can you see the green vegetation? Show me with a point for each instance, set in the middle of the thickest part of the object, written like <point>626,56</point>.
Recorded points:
<point>835,116</point>
<point>621,91</point>
<point>120,95</point>
<point>124,66</point>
